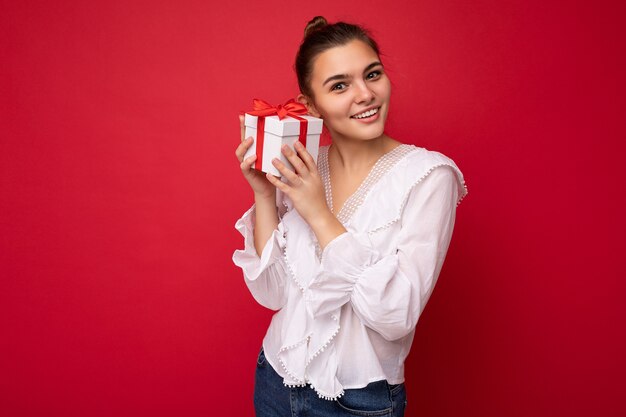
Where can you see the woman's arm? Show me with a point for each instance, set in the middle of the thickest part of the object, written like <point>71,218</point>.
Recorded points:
<point>266,220</point>
<point>389,293</point>
<point>261,258</point>
<point>264,272</point>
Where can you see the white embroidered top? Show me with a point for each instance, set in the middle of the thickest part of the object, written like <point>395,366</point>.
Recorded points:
<point>346,316</point>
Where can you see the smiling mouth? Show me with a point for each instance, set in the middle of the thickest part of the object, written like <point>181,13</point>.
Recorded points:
<point>366,114</point>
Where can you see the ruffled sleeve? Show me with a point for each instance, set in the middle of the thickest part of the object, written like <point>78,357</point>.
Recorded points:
<point>388,293</point>
<point>264,275</point>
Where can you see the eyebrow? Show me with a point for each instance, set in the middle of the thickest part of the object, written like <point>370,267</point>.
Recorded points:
<point>344,76</point>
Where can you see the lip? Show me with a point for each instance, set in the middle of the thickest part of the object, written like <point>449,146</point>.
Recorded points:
<point>366,109</point>
<point>370,119</point>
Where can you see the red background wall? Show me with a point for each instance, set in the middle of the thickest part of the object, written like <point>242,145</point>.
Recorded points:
<point>119,191</point>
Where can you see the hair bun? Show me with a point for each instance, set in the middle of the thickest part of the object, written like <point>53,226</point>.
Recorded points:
<point>314,24</point>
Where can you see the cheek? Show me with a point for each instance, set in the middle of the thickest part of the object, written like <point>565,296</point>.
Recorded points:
<point>384,88</point>
<point>333,110</point>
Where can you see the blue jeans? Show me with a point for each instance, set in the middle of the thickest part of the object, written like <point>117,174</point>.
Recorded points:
<point>273,399</point>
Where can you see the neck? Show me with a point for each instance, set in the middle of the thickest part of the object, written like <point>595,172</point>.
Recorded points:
<point>354,155</point>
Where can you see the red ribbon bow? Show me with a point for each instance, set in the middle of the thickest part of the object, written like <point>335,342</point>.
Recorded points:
<point>290,108</point>
<point>263,108</point>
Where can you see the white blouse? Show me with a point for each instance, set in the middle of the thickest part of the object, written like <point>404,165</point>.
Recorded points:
<point>346,316</point>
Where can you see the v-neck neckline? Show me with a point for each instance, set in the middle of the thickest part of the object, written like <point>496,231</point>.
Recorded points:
<point>354,201</point>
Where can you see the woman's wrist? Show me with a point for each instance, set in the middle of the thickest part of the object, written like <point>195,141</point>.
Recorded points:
<point>265,197</point>
<point>266,220</point>
<point>266,207</point>
<point>326,228</point>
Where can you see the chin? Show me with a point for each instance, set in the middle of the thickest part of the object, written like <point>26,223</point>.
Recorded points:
<point>374,135</point>
<point>366,137</point>
<point>361,133</point>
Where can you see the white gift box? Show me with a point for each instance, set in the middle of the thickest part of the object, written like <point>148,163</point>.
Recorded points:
<point>278,132</point>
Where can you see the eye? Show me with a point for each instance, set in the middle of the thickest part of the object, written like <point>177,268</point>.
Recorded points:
<point>338,87</point>
<point>373,75</point>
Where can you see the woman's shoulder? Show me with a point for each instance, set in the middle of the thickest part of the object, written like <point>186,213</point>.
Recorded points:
<point>427,155</point>
<point>413,167</point>
<point>419,162</point>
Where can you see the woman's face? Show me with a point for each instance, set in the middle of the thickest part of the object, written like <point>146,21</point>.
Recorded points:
<point>351,91</point>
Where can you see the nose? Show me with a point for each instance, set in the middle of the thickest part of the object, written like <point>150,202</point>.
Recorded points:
<point>363,93</point>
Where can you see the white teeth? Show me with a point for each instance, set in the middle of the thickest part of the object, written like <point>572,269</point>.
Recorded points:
<point>366,114</point>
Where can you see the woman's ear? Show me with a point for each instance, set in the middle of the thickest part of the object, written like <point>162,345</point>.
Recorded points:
<point>309,105</point>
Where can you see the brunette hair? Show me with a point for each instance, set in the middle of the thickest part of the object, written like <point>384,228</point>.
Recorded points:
<point>319,36</point>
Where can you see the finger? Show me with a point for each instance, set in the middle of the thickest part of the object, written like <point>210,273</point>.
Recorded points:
<point>276,182</point>
<point>291,176</point>
<point>243,148</point>
<point>305,156</point>
<point>242,126</point>
<point>247,163</point>
<point>295,160</point>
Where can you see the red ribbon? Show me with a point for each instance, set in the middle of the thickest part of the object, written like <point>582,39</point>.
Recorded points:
<point>263,108</point>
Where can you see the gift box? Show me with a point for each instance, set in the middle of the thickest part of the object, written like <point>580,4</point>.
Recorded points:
<point>271,127</point>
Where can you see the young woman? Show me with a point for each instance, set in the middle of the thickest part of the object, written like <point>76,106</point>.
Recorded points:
<point>351,254</point>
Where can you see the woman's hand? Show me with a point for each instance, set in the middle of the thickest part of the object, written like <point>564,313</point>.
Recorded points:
<point>259,184</point>
<point>305,188</point>
<point>306,191</point>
